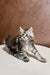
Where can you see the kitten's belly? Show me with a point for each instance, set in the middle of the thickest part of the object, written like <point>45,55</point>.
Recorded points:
<point>27,48</point>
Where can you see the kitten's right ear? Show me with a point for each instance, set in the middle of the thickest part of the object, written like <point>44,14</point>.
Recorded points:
<point>21,30</point>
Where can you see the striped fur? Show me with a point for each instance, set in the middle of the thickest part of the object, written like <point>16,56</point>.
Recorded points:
<point>23,43</point>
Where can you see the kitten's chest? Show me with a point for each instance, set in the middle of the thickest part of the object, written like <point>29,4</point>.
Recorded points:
<point>27,46</point>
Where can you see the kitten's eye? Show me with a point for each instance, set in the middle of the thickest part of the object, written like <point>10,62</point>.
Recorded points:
<point>22,34</point>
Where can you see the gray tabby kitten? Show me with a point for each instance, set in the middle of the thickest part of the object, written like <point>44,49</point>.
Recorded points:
<point>23,43</point>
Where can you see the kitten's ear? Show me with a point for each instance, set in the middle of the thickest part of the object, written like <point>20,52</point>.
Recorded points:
<point>31,29</point>
<point>21,30</point>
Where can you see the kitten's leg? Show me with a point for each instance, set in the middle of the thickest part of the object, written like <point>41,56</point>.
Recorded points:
<point>37,55</point>
<point>22,56</point>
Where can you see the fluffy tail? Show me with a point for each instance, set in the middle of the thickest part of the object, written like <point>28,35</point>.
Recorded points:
<point>6,41</point>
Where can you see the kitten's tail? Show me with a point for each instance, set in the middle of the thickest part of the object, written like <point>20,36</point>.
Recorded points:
<point>6,41</point>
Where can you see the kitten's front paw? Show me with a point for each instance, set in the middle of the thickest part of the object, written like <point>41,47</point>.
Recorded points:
<point>43,60</point>
<point>25,59</point>
<point>22,57</point>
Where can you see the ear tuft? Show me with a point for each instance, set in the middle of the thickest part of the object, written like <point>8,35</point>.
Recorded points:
<point>31,29</point>
<point>21,30</point>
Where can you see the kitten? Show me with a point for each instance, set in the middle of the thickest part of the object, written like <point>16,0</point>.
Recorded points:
<point>23,43</point>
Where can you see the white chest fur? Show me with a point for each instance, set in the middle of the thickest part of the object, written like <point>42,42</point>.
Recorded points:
<point>27,47</point>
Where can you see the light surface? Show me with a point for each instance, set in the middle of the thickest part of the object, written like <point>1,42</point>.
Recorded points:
<point>10,65</point>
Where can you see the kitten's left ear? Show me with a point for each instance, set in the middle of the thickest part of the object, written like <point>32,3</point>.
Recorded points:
<point>31,29</point>
<point>21,30</point>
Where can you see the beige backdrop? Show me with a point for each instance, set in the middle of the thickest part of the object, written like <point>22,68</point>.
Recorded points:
<point>25,13</point>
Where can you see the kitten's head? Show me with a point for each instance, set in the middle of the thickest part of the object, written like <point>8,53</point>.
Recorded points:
<point>27,34</point>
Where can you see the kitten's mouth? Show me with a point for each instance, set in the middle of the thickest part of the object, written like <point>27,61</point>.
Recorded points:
<point>25,39</point>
